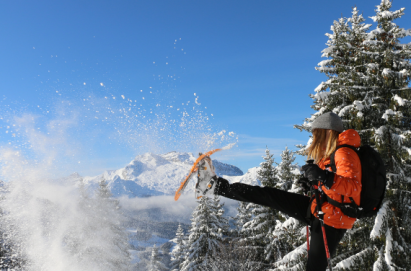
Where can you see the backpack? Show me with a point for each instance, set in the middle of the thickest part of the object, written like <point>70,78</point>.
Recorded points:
<point>373,181</point>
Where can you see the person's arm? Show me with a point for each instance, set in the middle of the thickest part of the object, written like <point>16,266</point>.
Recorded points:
<point>244,192</point>
<point>347,179</point>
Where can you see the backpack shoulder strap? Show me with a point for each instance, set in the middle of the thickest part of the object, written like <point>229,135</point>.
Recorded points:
<point>332,156</point>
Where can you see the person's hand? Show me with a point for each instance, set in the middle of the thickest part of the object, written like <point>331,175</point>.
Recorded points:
<point>305,184</point>
<point>314,173</point>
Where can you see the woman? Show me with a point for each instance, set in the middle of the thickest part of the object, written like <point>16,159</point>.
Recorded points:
<point>346,181</point>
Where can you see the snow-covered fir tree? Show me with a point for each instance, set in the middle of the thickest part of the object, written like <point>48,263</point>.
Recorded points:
<point>155,261</point>
<point>74,238</point>
<point>287,171</point>
<point>381,263</point>
<point>286,235</point>
<point>221,219</point>
<point>291,233</point>
<point>240,247</point>
<point>267,174</point>
<point>289,238</point>
<point>388,125</point>
<point>177,254</point>
<point>205,243</point>
<point>226,257</point>
<point>11,253</point>
<point>258,231</point>
<point>242,217</point>
<point>345,68</point>
<point>117,246</point>
<point>99,239</point>
<point>369,75</point>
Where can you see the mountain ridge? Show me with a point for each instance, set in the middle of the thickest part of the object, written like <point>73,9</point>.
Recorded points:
<point>150,174</point>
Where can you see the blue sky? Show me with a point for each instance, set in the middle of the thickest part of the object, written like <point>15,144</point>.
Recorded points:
<point>202,67</point>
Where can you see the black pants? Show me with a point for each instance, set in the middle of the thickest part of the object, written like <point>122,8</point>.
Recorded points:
<point>294,205</point>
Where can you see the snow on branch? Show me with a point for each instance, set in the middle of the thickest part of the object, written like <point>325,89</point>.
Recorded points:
<point>356,105</point>
<point>327,51</point>
<point>407,149</point>
<point>293,255</point>
<point>404,73</point>
<point>386,14</point>
<point>388,247</point>
<point>325,63</point>
<point>387,73</point>
<point>375,33</point>
<point>321,96</point>
<point>375,233</point>
<point>399,100</point>
<point>321,87</point>
<point>372,66</point>
<point>390,112</point>
<point>349,261</point>
<point>345,110</point>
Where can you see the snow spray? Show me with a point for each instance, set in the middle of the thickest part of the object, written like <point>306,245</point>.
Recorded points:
<point>46,217</point>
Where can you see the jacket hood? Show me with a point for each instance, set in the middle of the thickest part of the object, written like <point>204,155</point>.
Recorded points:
<point>349,137</point>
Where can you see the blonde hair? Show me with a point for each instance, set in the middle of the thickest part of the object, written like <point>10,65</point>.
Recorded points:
<point>315,150</point>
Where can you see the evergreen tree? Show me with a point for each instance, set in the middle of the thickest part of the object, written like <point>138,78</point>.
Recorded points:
<point>267,174</point>
<point>177,254</point>
<point>381,264</point>
<point>368,82</point>
<point>205,239</point>
<point>289,242</point>
<point>287,170</point>
<point>241,246</point>
<point>345,68</point>
<point>12,255</point>
<point>108,209</point>
<point>225,257</point>
<point>221,220</point>
<point>74,238</point>
<point>242,217</point>
<point>259,230</point>
<point>99,239</point>
<point>285,236</point>
<point>155,261</point>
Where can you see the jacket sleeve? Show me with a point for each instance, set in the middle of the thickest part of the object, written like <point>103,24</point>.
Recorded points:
<point>347,179</point>
<point>247,193</point>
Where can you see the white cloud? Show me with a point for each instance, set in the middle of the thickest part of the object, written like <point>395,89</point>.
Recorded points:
<point>250,150</point>
<point>181,210</point>
<point>251,146</point>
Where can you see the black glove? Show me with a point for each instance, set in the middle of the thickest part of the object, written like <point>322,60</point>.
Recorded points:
<point>221,187</point>
<point>305,184</point>
<point>314,173</point>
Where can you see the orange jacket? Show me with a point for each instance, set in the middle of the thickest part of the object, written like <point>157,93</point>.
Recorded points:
<point>347,181</point>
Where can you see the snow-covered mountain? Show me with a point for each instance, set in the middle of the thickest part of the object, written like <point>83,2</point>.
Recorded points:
<point>249,178</point>
<point>151,175</point>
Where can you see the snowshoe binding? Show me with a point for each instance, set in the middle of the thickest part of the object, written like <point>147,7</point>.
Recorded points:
<point>206,178</point>
<point>202,175</point>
